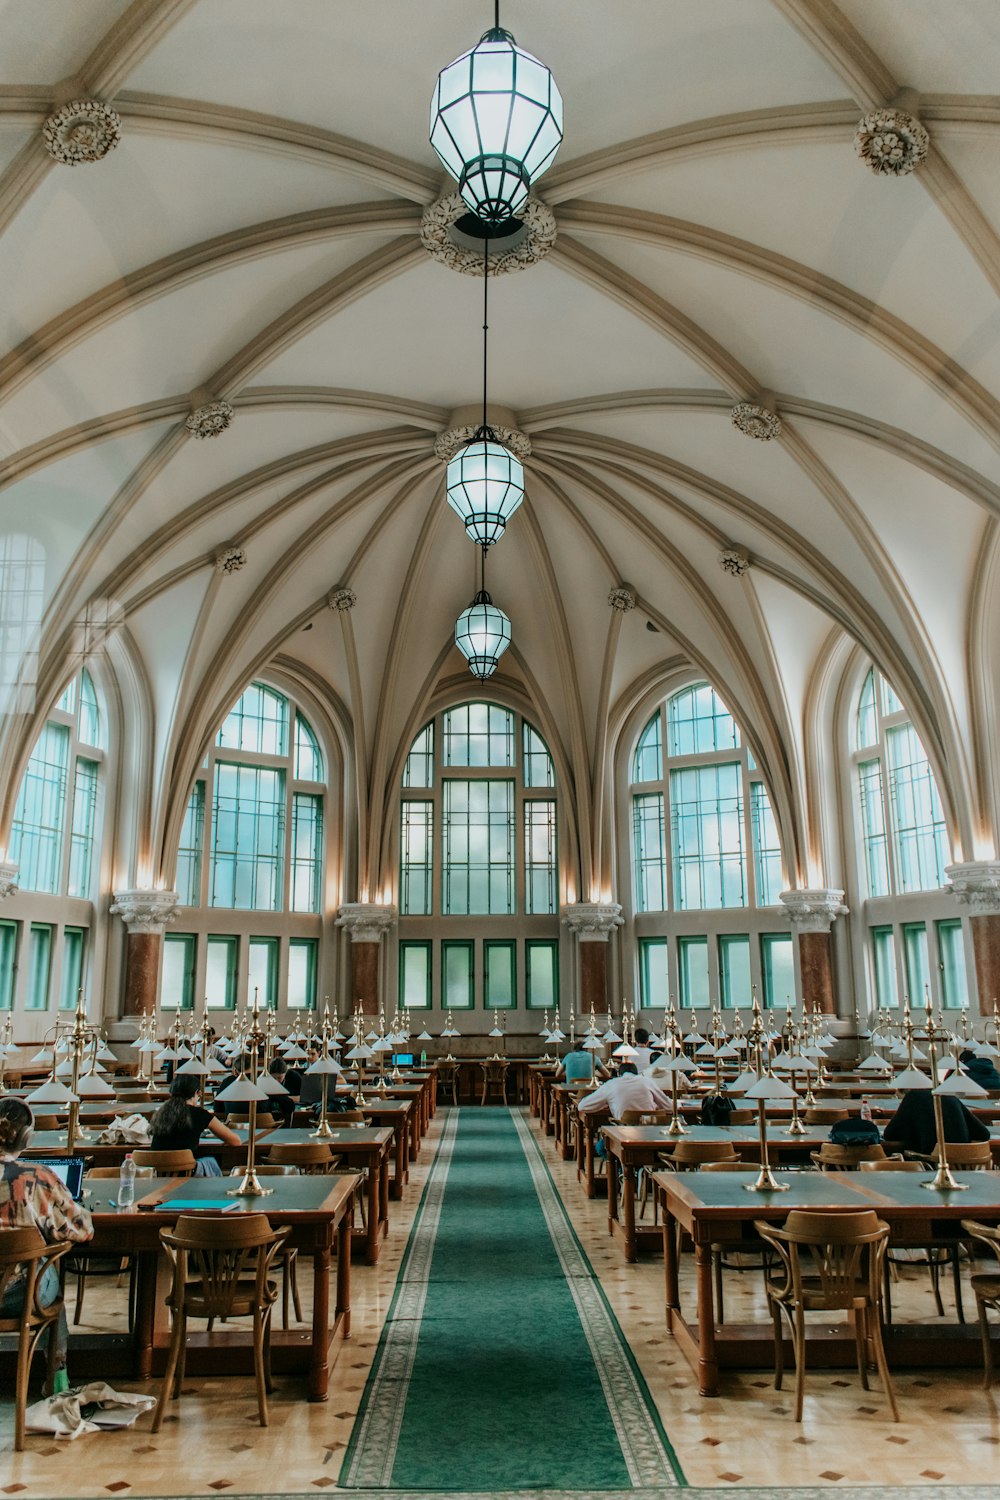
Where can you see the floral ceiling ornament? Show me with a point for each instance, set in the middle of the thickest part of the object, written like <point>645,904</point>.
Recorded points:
<point>230,559</point>
<point>891,142</point>
<point>734,561</point>
<point>447,444</point>
<point>538,219</point>
<point>756,421</point>
<point>342,599</point>
<point>84,130</point>
<point>208,420</point>
<point>622,598</point>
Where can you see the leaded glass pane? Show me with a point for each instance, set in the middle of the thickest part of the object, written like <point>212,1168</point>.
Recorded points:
<point>706,819</point>
<point>479,734</point>
<point>649,852</point>
<point>919,833</point>
<point>766,846</point>
<point>416,842</point>
<point>456,975</point>
<point>951,957</point>
<point>302,973</point>
<point>699,722</point>
<point>777,967</point>
<point>692,971</point>
<point>647,763</point>
<point>884,967</point>
<point>40,814</point>
<point>189,850</point>
<point>541,957</point>
<point>478,848</point>
<point>734,970</point>
<point>72,967</point>
<point>499,975</point>
<point>81,842</point>
<point>248,837</point>
<point>258,722</point>
<point>307,852</point>
<point>654,981</point>
<point>22,592</point>
<point>873,834</point>
<point>418,770</point>
<point>866,728</point>
<point>8,963</point>
<point>538,769</point>
<point>890,702</point>
<point>177,987</point>
<point>308,761</point>
<point>540,857</point>
<point>415,975</point>
<point>90,715</point>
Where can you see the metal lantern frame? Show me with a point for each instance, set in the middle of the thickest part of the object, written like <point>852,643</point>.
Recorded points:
<point>485,486</point>
<point>482,634</point>
<point>496,124</point>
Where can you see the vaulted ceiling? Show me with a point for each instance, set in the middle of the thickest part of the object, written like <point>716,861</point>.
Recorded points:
<point>256,237</point>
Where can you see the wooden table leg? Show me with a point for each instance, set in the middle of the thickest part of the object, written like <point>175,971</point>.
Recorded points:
<point>383,1189</point>
<point>344,1276</point>
<point>708,1364</point>
<point>628,1210</point>
<point>319,1369</point>
<point>401,1156</point>
<point>670,1259</point>
<point>145,1313</point>
<point>612,1170</point>
<point>372,1188</point>
<point>414,1135</point>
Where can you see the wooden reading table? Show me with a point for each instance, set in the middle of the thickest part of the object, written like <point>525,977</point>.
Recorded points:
<point>363,1149</point>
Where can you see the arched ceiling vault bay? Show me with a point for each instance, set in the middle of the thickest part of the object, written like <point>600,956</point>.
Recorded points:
<point>256,237</point>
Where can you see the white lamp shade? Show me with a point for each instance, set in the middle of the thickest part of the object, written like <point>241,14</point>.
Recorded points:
<point>358,1053</point>
<point>424,1036</point>
<point>796,1062</point>
<point>328,1065</point>
<point>43,1056</point>
<point>874,1064</point>
<point>52,1092</point>
<point>65,1068</point>
<point>745,1081</point>
<point>242,1090</point>
<point>958,1083</point>
<point>168,1055</point>
<point>625,1052</point>
<point>555,1035</point>
<point>384,1044</point>
<point>677,1064</point>
<point>485,486</point>
<point>496,124</point>
<point>593,1044</point>
<point>272,1086</point>
<point>294,1054</point>
<point>770,1087</point>
<point>727,1050</point>
<point>912,1078</point>
<point>611,1035</point>
<point>193,1065</point>
<point>92,1086</point>
<point>482,634</point>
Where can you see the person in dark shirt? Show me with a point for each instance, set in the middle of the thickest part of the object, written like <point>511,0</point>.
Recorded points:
<point>281,1105</point>
<point>980,1069</point>
<point>912,1127</point>
<point>178,1124</point>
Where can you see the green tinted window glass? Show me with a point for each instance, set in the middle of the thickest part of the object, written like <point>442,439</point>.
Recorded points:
<point>951,957</point>
<point>39,966</point>
<point>917,968</point>
<point>499,975</point>
<point>418,770</point>
<point>456,975</point>
<point>307,852</point>
<point>262,972</point>
<point>248,837</point>
<point>698,721</point>
<point>479,734</point>
<point>777,963</point>
<point>649,852</point>
<point>541,958</point>
<point>189,849</point>
<point>257,722</point>
<point>478,848</point>
<point>692,971</point>
<point>538,769</point>
<point>74,942</point>
<point>416,863</point>
<point>415,975</point>
<point>766,847</point>
<point>654,981</point>
<point>302,973</point>
<point>177,985</point>
<point>8,963</point>
<point>36,840</point>
<point>706,825</point>
<point>884,967</point>
<point>222,954</point>
<point>647,763</point>
<point>734,970</point>
<point>308,761</point>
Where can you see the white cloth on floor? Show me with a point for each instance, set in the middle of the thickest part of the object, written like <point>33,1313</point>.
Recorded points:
<point>86,1408</point>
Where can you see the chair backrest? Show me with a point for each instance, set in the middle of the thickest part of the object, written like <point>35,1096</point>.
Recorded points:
<point>730,1166</point>
<point>694,1153</point>
<point>830,1155</point>
<point>986,1234</point>
<point>971,1155</point>
<point>109,1172</point>
<point>268,1169</point>
<point>495,1070</point>
<point>314,1156</point>
<point>644,1116</point>
<point>265,1121</point>
<point>217,1253</point>
<point>47,1122</point>
<point>824,1115</point>
<point>22,1249</point>
<point>167,1163</point>
<point>845,1247</point>
<point>741,1117</point>
<point>891,1164</point>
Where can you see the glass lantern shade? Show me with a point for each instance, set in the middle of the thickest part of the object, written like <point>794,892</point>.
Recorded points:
<point>485,487</point>
<point>482,634</point>
<point>496,124</point>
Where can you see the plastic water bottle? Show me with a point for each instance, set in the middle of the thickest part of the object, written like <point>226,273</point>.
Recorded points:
<point>866,1109</point>
<point>126,1183</point>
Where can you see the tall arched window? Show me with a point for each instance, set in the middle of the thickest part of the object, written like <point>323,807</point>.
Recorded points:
<point>56,816</point>
<point>703,840</point>
<point>22,590</point>
<point>478,866</point>
<point>252,841</point>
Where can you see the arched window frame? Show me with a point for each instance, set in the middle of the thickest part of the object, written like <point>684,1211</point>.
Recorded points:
<point>468,939</point>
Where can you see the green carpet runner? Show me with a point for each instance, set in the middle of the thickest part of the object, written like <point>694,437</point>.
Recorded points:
<point>501,1366</point>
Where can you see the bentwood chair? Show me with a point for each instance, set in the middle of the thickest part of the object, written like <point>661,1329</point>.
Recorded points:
<point>829,1261</point>
<point>987,1290</point>
<point>287,1258</point>
<point>167,1163</point>
<point>26,1248</point>
<point>48,1122</point>
<point>833,1158</point>
<point>313,1158</point>
<point>221,1268</point>
<point>494,1080</point>
<point>934,1256</point>
<point>824,1114</point>
<point>84,1266</point>
<point>447,1082</point>
<point>967,1156</point>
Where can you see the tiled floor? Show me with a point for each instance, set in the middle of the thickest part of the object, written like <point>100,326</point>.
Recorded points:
<point>949,1435</point>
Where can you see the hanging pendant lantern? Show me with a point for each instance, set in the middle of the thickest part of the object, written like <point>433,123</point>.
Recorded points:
<point>496,124</point>
<point>482,634</point>
<point>485,486</point>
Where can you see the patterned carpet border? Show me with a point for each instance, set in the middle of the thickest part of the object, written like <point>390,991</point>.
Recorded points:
<point>706,1492</point>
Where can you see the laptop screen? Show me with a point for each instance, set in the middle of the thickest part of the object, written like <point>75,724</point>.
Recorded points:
<point>402,1059</point>
<point>69,1170</point>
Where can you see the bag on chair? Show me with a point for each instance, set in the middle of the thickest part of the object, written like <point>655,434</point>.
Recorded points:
<point>855,1132</point>
<point>716,1109</point>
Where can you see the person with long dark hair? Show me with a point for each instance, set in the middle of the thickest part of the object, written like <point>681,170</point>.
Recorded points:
<point>31,1195</point>
<point>178,1124</point>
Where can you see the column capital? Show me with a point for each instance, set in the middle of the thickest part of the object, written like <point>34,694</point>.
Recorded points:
<point>813,910</point>
<point>146,911</point>
<point>976,883</point>
<point>593,921</point>
<point>8,878</point>
<point>367,920</point>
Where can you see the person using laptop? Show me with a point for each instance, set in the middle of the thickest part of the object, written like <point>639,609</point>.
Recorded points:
<point>178,1124</point>
<point>31,1194</point>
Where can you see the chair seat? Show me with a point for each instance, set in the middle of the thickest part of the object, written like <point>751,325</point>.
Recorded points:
<point>986,1287</point>
<point>244,1298</point>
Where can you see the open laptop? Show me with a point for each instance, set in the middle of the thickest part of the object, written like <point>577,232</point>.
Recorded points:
<point>402,1059</point>
<point>69,1170</point>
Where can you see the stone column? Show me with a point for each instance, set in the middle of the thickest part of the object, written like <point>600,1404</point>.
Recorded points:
<point>976,884</point>
<point>366,921</point>
<point>8,879</point>
<point>146,915</point>
<point>812,914</point>
<point>593,922</point>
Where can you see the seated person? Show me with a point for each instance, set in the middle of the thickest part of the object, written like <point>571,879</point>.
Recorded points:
<point>32,1195</point>
<point>281,1105</point>
<point>579,1066</point>
<point>644,1055</point>
<point>178,1124</point>
<point>627,1091</point>
<point>912,1127</point>
<point>980,1069</point>
<point>311,1087</point>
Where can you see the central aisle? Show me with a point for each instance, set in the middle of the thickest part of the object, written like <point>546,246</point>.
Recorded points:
<point>501,1366</point>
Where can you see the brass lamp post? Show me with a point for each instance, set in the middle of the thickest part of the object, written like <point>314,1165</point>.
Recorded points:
<point>767,1087</point>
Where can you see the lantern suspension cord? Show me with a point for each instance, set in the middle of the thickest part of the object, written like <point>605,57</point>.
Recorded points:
<point>496,16</point>
<point>486,323</point>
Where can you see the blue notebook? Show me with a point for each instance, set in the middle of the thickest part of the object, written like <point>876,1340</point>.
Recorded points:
<point>216,1205</point>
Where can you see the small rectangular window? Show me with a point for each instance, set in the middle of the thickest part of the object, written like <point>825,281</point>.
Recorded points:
<point>886,992</point>
<point>192,841</point>
<point>654,981</point>
<point>39,966</point>
<point>540,863</point>
<point>777,962</point>
<point>177,985</point>
<point>649,853</point>
<point>952,966</point>
<point>74,944</point>
<point>456,975</point>
<point>416,858</point>
<point>222,954</point>
<point>873,827</point>
<point>81,840</point>
<point>541,960</point>
<point>415,975</point>
<point>918,975</point>
<point>307,851</point>
<point>766,846</point>
<point>262,972</point>
<point>302,973</point>
<point>499,975</point>
<point>537,760</point>
<point>419,768</point>
<point>8,963</point>
<point>734,971</point>
<point>692,971</point>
